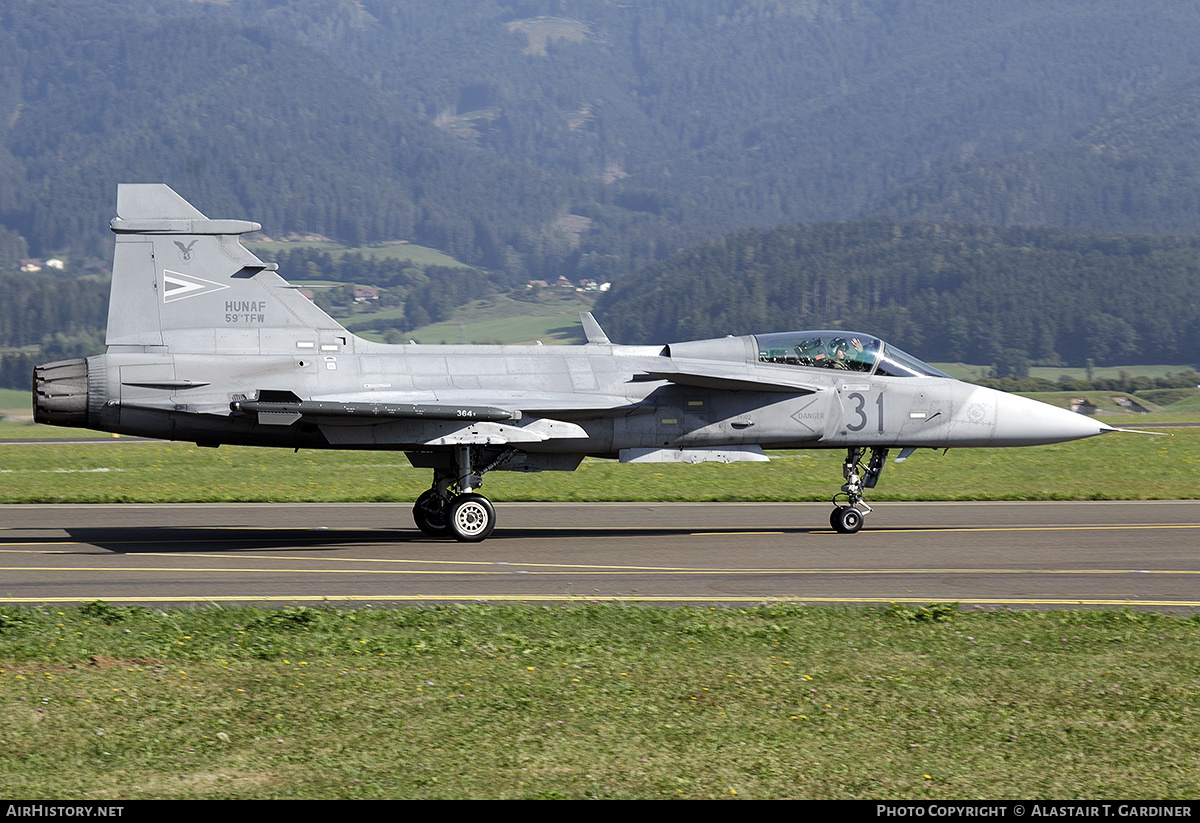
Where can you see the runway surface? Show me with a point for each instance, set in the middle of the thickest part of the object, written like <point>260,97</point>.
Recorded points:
<point>1144,554</point>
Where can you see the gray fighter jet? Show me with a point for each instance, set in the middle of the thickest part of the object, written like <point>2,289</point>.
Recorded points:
<point>206,343</point>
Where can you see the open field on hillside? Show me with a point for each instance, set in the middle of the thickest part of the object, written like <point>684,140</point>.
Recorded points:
<point>551,317</point>
<point>15,400</point>
<point>1189,405</point>
<point>586,700</point>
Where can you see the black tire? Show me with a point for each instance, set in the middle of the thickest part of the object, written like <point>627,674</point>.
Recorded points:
<point>848,520</point>
<point>471,518</point>
<point>431,514</point>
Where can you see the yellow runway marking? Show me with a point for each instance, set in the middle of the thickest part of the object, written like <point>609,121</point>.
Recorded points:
<point>401,560</point>
<point>492,564</point>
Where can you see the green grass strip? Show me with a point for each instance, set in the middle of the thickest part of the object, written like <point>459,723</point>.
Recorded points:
<point>586,700</point>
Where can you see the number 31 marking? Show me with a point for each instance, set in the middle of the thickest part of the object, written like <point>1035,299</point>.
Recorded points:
<point>860,412</point>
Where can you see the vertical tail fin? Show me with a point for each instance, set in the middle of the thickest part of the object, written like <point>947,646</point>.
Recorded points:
<point>184,283</point>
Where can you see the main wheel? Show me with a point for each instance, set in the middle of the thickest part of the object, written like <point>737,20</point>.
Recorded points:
<point>471,518</point>
<point>846,519</point>
<point>430,513</point>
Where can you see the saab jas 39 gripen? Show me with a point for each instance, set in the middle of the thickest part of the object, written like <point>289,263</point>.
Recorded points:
<point>207,343</point>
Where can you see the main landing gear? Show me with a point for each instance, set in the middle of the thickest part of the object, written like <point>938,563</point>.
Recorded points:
<point>847,518</point>
<point>452,507</point>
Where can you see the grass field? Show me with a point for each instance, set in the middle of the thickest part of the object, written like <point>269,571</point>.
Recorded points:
<point>16,400</point>
<point>553,318</point>
<point>1188,405</point>
<point>1106,402</point>
<point>964,371</point>
<point>582,700</point>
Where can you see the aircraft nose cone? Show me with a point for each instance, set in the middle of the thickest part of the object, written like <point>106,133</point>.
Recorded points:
<point>1024,422</point>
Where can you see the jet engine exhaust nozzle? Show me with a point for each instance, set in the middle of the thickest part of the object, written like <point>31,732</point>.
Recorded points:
<point>60,393</point>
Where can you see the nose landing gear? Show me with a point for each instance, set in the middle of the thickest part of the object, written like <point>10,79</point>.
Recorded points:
<point>847,518</point>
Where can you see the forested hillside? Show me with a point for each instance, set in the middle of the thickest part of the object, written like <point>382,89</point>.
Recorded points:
<point>1136,171</point>
<point>45,317</point>
<point>475,127</point>
<point>954,293</point>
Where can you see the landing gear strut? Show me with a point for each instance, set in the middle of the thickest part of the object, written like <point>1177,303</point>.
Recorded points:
<point>847,518</point>
<point>452,507</point>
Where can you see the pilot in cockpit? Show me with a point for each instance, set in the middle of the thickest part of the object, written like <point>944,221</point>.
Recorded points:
<point>840,356</point>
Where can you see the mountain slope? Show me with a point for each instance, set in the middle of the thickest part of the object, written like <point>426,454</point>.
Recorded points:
<point>1137,171</point>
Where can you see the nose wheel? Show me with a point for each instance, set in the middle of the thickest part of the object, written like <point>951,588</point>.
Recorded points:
<point>846,519</point>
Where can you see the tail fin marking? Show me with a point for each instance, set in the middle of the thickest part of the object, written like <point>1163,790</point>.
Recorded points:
<point>186,284</point>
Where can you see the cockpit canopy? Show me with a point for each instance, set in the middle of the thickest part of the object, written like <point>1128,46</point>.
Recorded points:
<point>846,351</point>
